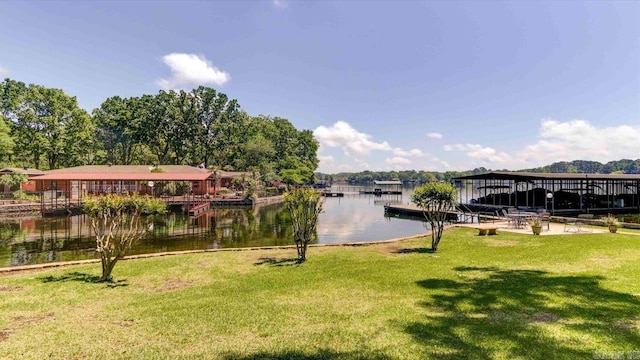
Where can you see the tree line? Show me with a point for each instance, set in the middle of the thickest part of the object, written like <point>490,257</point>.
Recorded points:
<point>624,166</point>
<point>406,176</point>
<point>45,128</point>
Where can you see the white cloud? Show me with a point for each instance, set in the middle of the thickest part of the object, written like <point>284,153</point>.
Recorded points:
<point>550,142</point>
<point>326,159</point>
<point>479,152</point>
<point>326,163</point>
<point>357,150</point>
<point>462,147</point>
<point>3,71</point>
<point>362,164</point>
<point>489,155</point>
<point>435,164</point>
<point>280,4</point>
<point>345,168</point>
<point>412,152</point>
<point>397,161</point>
<point>581,140</point>
<point>342,135</point>
<point>434,135</point>
<point>191,70</point>
<point>559,141</point>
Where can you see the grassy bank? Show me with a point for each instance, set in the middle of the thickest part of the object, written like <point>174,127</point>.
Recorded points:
<point>507,296</point>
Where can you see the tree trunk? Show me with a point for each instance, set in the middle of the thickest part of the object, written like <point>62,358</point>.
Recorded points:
<point>301,246</point>
<point>306,245</point>
<point>108,263</point>
<point>36,160</point>
<point>107,268</point>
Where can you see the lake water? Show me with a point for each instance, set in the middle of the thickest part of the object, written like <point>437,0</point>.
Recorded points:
<point>353,218</point>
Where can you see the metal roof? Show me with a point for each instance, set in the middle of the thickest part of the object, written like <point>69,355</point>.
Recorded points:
<point>387,182</point>
<point>27,171</point>
<point>116,177</point>
<point>130,169</point>
<point>509,175</point>
<point>128,172</point>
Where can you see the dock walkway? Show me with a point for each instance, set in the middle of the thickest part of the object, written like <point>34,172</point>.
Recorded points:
<point>411,210</point>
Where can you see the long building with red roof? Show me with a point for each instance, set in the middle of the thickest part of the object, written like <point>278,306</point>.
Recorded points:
<point>65,187</point>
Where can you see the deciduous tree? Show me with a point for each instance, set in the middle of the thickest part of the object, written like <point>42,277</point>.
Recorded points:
<point>118,222</point>
<point>119,128</point>
<point>305,205</point>
<point>13,180</point>
<point>6,142</point>
<point>435,199</point>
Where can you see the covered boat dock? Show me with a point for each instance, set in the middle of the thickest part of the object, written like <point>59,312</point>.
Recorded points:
<point>385,187</point>
<point>63,191</point>
<point>556,193</point>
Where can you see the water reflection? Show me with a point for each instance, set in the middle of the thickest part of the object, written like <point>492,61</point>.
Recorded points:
<point>350,219</point>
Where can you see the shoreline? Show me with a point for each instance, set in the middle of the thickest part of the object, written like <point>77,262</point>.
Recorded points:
<point>20,208</point>
<point>23,269</point>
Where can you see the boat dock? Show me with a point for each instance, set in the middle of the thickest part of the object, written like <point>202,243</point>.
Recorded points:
<point>381,192</point>
<point>197,209</point>
<point>401,209</point>
<point>414,211</point>
<point>332,194</point>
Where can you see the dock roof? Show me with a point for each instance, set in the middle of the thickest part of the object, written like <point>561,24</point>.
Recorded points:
<point>518,175</point>
<point>387,182</point>
<point>128,172</point>
<point>27,171</point>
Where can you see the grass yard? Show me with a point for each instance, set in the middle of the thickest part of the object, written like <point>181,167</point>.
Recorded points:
<point>508,296</point>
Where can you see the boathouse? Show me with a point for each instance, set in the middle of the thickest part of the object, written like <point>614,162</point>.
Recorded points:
<point>557,193</point>
<point>385,187</point>
<point>65,188</point>
<point>76,182</point>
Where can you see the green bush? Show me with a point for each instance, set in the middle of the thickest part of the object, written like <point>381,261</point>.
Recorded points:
<point>169,188</point>
<point>13,180</point>
<point>182,187</point>
<point>21,195</point>
<point>630,218</point>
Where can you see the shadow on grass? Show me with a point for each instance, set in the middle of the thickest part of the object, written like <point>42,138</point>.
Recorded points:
<point>414,251</point>
<point>82,277</point>
<point>271,261</point>
<point>298,355</point>
<point>524,314</point>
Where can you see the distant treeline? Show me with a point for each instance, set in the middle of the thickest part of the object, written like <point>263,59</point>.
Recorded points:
<point>624,166</point>
<point>411,176</point>
<point>45,128</point>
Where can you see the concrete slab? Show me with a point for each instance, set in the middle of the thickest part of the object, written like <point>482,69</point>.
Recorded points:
<point>554,229</point>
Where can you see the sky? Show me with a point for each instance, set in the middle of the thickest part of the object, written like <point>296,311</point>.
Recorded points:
<point>384,85</point>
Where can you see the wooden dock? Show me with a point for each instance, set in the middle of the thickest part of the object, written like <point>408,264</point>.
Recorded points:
<point>414,211</point>
<point>380,192</point>
<point>401,209</point>
<point>197,209</point>
<point>332,194</point>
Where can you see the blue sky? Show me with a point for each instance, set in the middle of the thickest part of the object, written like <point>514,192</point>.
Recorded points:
<point>383,85</point>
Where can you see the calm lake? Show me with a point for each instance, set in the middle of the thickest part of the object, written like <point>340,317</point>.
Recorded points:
<point>353,218</point>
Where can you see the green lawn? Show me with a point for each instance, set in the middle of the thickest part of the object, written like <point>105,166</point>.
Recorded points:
<point>505,297</point>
